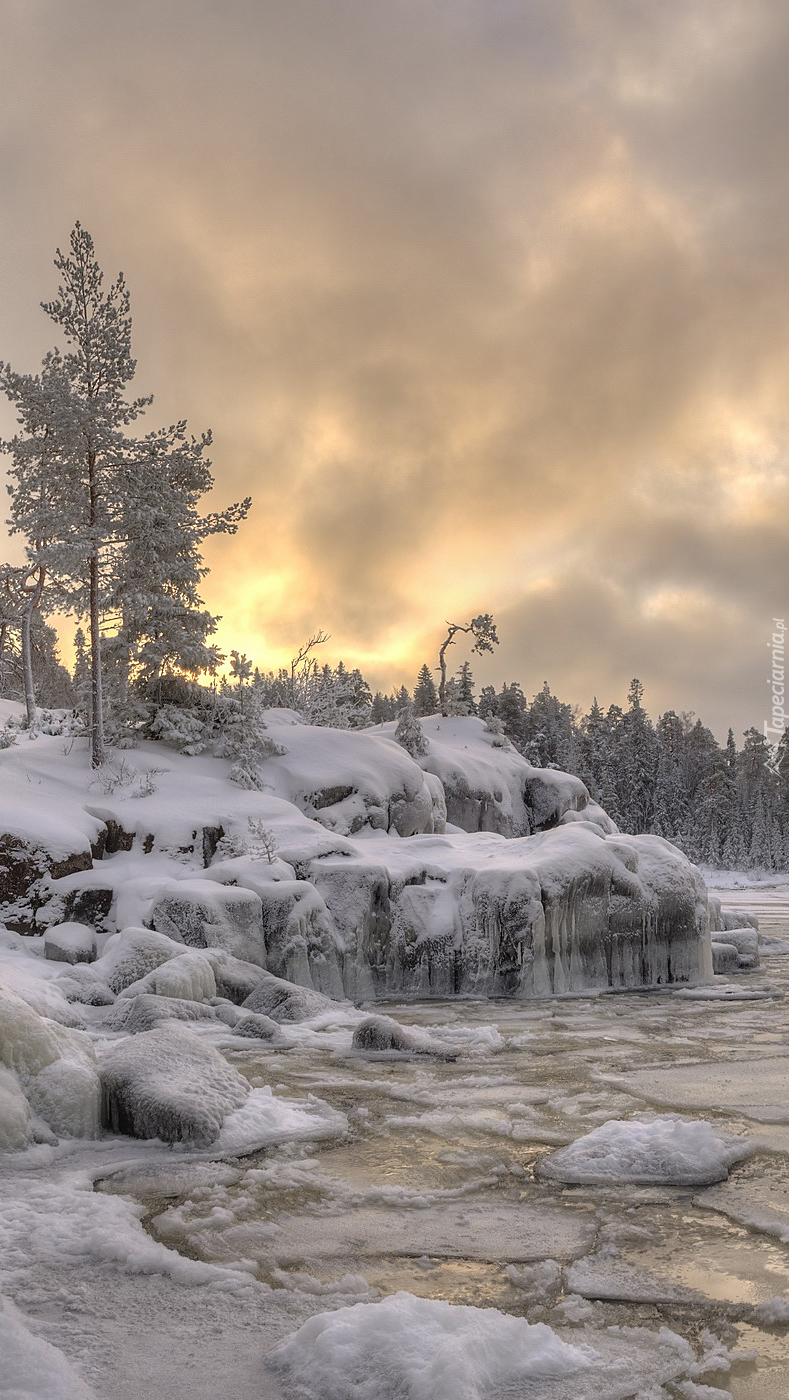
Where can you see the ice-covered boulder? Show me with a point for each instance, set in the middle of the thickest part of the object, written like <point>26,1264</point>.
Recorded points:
<point>284,1001</point>
<point>664,1151</point>
<point>16,1122</point>
<point>565,910</point>
<point>205,914</point>
<point>168,1084</point>
<point>147,1011</point>
<point>725,957</point>
<point>132,953</point>
<point>55,1066</point>
<point>190,978</point>
<point>235,979</point>
<point>251,1024</point>
<point>70,943</point>
<point>81,983</point>
<point>383,1035</point>
<point>746,941</point>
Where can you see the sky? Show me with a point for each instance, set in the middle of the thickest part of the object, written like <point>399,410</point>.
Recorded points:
<point>485,301</point>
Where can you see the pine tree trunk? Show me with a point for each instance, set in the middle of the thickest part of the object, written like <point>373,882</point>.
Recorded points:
<point>27,665</point>
<point>97,751</point>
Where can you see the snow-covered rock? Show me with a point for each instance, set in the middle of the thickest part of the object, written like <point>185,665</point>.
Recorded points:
<point>190,977</point>
<point>55,1066</point>
<point>250,1024</point>
<point>81,983</point>
<point>725,957</point>
<point>664,1151</point>
<point>168,1084</point>
<point>205,914</point>
<point>383,1035</point>
<point>147,1011</point>
<point>132,953</point>
<point>284,1001</point>
<point>70,943</point>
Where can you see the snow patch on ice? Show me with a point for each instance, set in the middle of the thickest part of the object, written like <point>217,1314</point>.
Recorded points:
<point>665,1150</point>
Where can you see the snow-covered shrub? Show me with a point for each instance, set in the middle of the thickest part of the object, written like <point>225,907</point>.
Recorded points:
<point>409,732</point>
<point>185,730</point>
<point>265,842</point>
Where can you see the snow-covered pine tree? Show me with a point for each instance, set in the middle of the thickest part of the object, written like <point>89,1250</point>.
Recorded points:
<point>425,693</point>
<point>75,469</point>
<point>465,689</point>
<point>410,733</point>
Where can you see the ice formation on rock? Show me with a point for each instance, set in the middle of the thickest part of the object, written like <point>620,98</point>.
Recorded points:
<point>168,1084</point>
<point>382,1035</point>
<point>54,1065</point>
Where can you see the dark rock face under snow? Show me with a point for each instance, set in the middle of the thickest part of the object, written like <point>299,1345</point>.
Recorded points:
<point>382,1035</point>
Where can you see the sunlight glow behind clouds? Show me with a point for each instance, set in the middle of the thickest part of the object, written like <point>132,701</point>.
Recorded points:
<point>473,295</point>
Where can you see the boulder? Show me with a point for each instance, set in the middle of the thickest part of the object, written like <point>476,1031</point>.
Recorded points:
<point>55,1066</point>
<point>70,943</point>
<point>283,1001</point>
<point>725,957</point>
<point>382,1035</point>
<point>132,953</point>
<point>146,1012</point>
<point>168,1084</point>
<point>205,914</point>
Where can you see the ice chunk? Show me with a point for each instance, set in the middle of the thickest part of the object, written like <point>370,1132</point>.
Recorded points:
<point>132,953</point>
<point>190,977</point>
<point>264,1120</point>
<point>665,1151</point>
<point>168,1084</point>
<point>419,1349</point>
<point>382,1035</point>
<point>55,1065</point>
<point>284,1001</point>
<point>70,943</point>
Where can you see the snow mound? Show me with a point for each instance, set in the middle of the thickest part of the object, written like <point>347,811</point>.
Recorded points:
<point>382,1035</point>
<point>666,1151</point>
<point>55,1066</point>
<point>168,1084</point>
<point>131,953</point>
<point>407,1348</point>
<point>285,1001</point>
<point>32,1368</point>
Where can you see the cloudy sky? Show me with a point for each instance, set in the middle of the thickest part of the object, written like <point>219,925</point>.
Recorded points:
<point>486,302</point>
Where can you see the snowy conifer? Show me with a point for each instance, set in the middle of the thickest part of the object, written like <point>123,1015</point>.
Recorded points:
<point>425,693</point>
<point>410,733</point>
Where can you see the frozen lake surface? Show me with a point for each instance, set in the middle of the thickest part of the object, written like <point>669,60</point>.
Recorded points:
<point>437,1191</point>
